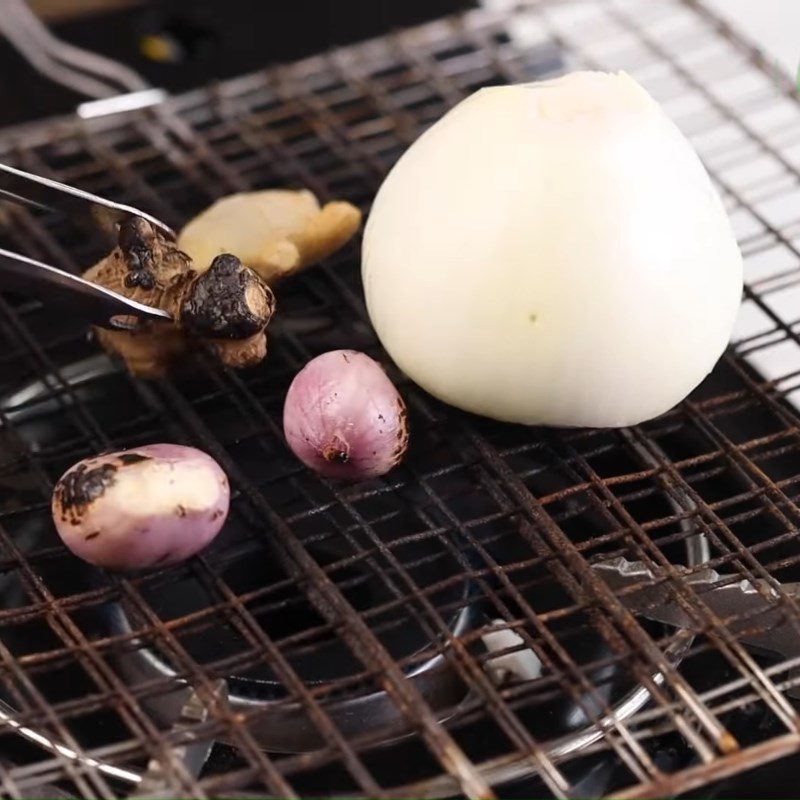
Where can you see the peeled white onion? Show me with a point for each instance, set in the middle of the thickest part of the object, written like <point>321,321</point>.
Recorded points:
<point>553,253</point>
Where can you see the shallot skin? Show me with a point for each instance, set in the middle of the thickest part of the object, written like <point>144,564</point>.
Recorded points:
<point>344,418</point>
<point>149,506</point>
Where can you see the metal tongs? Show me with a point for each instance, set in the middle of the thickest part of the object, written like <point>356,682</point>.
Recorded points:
<point>19,273</point>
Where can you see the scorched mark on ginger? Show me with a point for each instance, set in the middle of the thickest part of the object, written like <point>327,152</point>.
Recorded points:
<point>228,302</point>
<point>138,253</point>
<point>224,305</point>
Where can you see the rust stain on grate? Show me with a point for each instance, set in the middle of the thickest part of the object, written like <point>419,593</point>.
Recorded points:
<point>347,622</point>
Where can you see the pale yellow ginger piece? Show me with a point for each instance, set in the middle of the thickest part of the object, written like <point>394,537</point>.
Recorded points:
<point>275,232</point>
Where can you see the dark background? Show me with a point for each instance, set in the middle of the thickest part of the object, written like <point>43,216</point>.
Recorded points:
<point>201,40</point>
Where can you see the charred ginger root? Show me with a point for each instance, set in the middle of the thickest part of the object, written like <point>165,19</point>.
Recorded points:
<point>276,232</point>
<point>226,307</point>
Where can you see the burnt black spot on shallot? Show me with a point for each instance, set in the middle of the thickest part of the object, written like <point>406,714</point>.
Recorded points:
<point>131,458</point>
<point>81,486</point>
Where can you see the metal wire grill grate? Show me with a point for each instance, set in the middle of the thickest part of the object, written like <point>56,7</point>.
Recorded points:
<point>349,623</point>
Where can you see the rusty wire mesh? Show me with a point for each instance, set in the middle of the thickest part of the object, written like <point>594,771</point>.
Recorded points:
<point>347,622</point>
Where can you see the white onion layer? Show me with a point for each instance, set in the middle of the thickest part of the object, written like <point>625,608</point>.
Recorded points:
<point>553,253</point>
